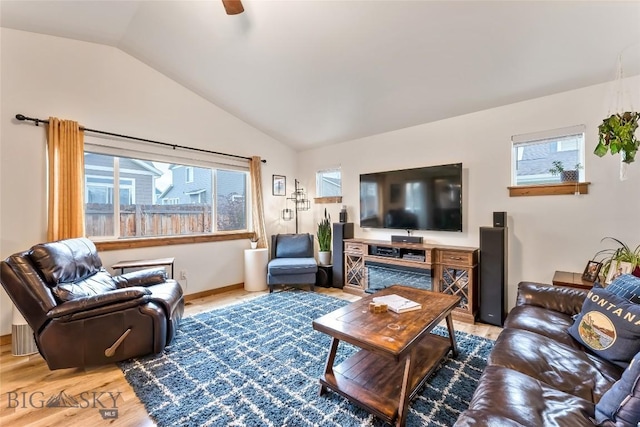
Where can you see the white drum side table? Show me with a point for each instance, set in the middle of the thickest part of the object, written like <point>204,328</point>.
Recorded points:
<point>255,269</point>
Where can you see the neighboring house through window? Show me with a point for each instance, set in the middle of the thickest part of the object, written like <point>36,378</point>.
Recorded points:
<point>127,197</point>
<point>533,155</point>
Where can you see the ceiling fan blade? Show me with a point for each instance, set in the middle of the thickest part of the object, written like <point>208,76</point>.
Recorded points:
<point>233,7</point>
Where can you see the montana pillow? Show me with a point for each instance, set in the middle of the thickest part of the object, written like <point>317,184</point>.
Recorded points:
<point>609,326</point>
<point>627,286</point>
<point>621,403</point>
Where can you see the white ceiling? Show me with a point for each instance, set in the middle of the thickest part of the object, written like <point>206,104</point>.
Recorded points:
<point>320,72</point>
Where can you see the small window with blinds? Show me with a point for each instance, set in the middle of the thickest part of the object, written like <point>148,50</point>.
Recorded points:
<point>534,154</point>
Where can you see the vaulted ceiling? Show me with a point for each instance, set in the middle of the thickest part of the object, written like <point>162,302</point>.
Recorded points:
<point>319,72</point>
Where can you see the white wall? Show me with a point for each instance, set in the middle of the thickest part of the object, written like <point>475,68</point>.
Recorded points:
<point>104,88</point>
<point>546,233</point>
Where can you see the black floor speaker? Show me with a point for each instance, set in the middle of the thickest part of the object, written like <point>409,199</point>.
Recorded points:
<point>324,276</point>
<point>493,275</point>
<point>341,231</point>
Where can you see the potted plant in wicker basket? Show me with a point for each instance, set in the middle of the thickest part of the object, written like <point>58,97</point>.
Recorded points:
<point>324,240</point>
<point>617,135</point>
<point>565,175</point>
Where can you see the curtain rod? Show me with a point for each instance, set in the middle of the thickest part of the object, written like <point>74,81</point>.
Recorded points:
<point>22,118</point>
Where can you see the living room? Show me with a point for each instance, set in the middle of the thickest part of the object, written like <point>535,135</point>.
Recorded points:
<point>104,87</point>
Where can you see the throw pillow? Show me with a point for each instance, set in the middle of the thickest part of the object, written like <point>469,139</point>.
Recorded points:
<point>621,403</point>
<point>608,326</point>
<point>627,286</point>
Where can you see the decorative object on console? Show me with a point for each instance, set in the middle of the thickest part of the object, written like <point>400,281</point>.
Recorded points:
<point>617,269</point>
<point>324,239</point>
<point>301,203</point>
<point>591,271</point>
<point>621,253</point>
<point>606,327</point>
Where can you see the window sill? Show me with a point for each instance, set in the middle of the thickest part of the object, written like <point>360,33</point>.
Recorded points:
<point>324,200</point>
<point>112,245</point>
<point>549,189</point>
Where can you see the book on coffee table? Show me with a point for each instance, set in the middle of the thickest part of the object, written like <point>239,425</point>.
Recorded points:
<point>397,304</point>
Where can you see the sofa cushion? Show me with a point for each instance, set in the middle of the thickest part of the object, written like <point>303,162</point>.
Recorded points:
<point>550,323</point>
<point>627,286</point>
<point>97,284</point>
<point>621,404</point>
<point>505,397</point>
<point>557,365</point>
<point>286,266</point>
<point>608,326</point>
<point>294,246</point>
<point>65,261</point>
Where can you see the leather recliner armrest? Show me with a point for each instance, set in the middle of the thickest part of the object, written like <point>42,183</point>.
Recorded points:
<point>146,277</point>
<point>88,303</point>
<point>558,298</point>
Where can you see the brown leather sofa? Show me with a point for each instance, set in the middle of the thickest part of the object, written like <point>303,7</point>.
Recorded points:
<point>80,314</point>
<point>537,374</point>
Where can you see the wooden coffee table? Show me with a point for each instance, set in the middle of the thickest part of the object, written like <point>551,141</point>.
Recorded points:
<point>398,354</point>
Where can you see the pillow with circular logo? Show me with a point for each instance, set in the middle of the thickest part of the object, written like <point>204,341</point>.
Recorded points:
<point>608,326</point>
<point>621,403</point>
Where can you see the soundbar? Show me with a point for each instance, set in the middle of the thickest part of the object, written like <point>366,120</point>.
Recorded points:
<point>406,239</point>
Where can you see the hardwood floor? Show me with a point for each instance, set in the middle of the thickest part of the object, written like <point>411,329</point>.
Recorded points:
<point>26,383</point>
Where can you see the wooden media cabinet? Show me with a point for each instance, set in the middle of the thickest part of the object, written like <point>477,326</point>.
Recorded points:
<point>454,269</point>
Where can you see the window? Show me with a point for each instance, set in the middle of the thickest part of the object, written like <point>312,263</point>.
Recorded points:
<point>127,198</point>
<point>188,173</point>
<point>533,155</point>
<point>329,183</point>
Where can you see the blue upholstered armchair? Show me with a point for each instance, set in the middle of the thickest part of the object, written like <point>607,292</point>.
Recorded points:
<point>292,261</point>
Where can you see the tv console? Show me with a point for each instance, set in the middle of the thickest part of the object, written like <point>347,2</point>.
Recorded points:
<point>454,269</point>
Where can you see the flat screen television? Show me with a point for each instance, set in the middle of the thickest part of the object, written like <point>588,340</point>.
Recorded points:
<point>426,198</point>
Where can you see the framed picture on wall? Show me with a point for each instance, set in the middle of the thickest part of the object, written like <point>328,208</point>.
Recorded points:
<point>618,268</point>
<point>279,185</point>
<point>591,271</point>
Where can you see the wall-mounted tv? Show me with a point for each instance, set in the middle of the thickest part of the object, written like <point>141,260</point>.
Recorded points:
<point>426,198</point>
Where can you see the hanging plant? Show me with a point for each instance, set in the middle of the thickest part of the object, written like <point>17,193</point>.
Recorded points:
<point>617,135</point>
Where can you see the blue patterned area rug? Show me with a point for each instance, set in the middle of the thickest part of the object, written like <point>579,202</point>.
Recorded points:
<point>257,364</point>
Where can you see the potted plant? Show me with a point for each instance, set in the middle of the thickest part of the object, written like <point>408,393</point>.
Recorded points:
<point>254,241</point>
<point>324,240</point>
<point>616,134</point>
<point>622,253</point>
<point>565,175</point>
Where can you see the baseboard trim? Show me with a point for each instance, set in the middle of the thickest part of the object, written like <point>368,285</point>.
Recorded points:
<point>6,339</point>
<point>215,291</point>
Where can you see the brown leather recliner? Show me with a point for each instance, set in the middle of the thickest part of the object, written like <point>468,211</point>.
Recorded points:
<point>80,314</point>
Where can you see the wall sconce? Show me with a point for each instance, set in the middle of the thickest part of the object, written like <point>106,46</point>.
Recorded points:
<point>301,203</point>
